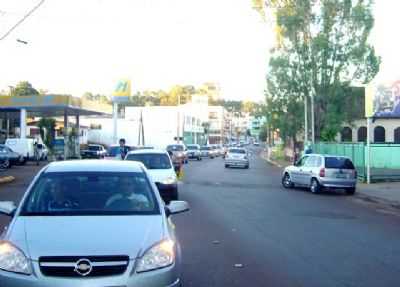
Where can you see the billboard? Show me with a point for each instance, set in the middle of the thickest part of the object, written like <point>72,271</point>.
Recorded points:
<point>383,100</point>
<point>122,91</point>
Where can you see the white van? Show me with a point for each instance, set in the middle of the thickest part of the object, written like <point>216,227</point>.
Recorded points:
<point>22,146</point>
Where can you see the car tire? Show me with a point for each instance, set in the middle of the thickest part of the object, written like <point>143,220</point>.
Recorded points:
<point>226,166</point>
<point>6,164</point>
<point>315,187</point>
<point>287,181</point>
<point>198,158</point>
<point>350,191</point>
<point>247,167</point>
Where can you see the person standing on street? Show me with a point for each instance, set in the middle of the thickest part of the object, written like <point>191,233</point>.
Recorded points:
<point>123,149</point>
<point>36,152</point>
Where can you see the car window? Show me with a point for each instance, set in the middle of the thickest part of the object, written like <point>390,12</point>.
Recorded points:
<point>94,147</point>
<point>192,147</point>
<point>205,148</point>
<point>313,161</point>
<point>151,160</point>
<point>302,161</point>
<point>91,193</point>
<point>237,150</point>
<point>175,147</point>
<point>338,162</point>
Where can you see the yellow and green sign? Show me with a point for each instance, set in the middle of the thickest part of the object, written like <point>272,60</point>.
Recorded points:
<point>123,88</point>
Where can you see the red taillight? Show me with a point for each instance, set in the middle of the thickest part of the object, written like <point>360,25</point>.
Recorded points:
<point>322,172</point>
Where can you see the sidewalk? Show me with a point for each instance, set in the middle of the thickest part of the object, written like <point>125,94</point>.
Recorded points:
<point>387,193</point>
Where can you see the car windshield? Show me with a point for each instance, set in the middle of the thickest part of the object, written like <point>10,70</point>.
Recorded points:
<point>192,147</point>
<point>338,162</point>
<point>151,160</point>
<point>90,193</point>
<point>175,147</point>
<point>237,150</point>
<point>94,147</point>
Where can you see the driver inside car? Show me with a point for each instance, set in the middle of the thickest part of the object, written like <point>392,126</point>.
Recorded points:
<point>128,198</point>
<point>60,201</point>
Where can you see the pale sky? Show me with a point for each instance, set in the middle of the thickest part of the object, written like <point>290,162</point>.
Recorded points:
<point>77,46</point>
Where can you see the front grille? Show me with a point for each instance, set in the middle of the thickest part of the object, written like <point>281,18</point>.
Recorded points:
<point>66,266</point>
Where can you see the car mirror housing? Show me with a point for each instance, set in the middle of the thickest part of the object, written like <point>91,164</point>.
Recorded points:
<point>177,206</point>
<point>7,208</point>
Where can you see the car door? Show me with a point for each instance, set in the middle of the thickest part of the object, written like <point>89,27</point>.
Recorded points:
<point>308,169</point>
<point>297,170</point>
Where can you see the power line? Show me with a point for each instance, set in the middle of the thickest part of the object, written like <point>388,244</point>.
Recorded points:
<point>22,20</point>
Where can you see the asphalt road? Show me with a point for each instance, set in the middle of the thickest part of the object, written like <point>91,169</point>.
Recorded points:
<point>245,230</point>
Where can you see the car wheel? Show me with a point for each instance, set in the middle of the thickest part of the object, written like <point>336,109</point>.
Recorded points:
<point>287,181</point>
<point>247,167</point>
<point>350,191</point>
<point>315,187</point>
<point>6,164</point>
<point>226,166</point>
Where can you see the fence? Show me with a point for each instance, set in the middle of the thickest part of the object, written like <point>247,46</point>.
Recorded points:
<point>384,158</point>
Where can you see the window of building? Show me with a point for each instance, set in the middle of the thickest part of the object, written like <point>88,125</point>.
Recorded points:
<point>362,134</point>
<point>397,135</point>
<point>379,134</point>
<point>346,134</point>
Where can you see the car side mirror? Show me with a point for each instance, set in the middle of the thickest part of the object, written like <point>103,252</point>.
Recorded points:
<point>176,206</point>
<point>8,208</point>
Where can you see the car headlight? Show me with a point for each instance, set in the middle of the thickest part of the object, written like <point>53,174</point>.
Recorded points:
<point>12,259</point>
<point>158,256</point>
<point>169,180</point>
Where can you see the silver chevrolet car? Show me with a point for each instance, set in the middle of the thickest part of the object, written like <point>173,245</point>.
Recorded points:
<point>237,157</point>
<point>321,171</point>
<point>91,223</point>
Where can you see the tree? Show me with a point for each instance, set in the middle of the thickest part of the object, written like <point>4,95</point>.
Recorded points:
<point>24,88</point>
<point>47,131</point>
<point>326,44</point>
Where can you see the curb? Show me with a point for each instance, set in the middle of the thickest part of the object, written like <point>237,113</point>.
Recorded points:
<point>271,161</point>
<point>6,179</point>
<point>377,200</point>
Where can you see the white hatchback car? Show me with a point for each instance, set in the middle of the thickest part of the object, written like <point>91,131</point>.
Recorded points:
<point>161,170</point>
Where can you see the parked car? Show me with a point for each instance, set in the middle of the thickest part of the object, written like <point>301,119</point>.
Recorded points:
<point>161,170</point>
<point>256,143</point>
<point>8,157</point>
<point>206,151</point>
<point>25,147</point>
<point>84,223</point>
<point>179,151</point>
<point>237,157</point>
<point>321,171</point>
<point>194,151</point>
<point>95,151</point>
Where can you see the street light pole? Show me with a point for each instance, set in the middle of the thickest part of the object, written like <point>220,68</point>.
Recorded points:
<point>179,120</point>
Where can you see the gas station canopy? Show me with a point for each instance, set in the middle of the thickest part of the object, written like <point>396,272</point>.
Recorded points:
<point>54,106</point>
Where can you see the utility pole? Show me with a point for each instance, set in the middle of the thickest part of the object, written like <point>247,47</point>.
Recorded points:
<point>179,120</point>
<point>305,122</point>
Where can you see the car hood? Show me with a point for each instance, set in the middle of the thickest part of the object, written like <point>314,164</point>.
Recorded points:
<point>159,175</point>
<point>87,235</point>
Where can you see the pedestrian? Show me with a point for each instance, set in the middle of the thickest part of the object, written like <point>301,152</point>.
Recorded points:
<point>123,149</point>
<point>36,152</point>
<point>296,155</point>
<point>308,149</point>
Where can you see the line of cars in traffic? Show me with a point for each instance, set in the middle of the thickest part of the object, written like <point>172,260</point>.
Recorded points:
<point>116,219</point>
